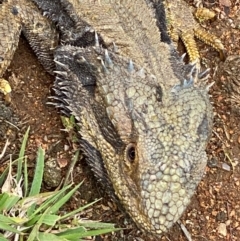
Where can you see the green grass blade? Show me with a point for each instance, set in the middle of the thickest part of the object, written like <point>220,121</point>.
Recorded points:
<point>25,180</point>
<point>35,230</point>
<point>48,219</point>
<point>96,225</point>
<point>56,195</point>
<point>2,238</point>
<point>9,228</point>
<point>78,210</point>
<point>98,232</point>
<point>3,176</point>
<point>3,199</point>
<point>28,204</point>
<point>6,220</point>
<point>64,199</point>
<point>38,175</point>
<point>32,236</point>
<point>21,155</point>
<point>49,237</point>
<point>74,234</point>
<point>7,201</point>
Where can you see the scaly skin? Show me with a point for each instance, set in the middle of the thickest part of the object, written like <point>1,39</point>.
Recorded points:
<point>143,127</point>
<point>144,131</point>
<point>152,146</point>
<point>132,39</point>
<point>23,15</point>
<point>181,24</point>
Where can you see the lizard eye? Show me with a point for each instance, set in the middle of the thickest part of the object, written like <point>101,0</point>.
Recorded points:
<point>131,152</point>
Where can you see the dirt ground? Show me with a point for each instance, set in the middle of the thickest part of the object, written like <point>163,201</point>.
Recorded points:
<point>214,213</point>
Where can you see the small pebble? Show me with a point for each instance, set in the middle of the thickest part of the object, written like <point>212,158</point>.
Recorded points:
<point>222,229</point>
<point>226,167</point>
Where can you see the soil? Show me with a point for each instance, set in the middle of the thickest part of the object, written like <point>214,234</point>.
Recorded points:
<point>214,213</point>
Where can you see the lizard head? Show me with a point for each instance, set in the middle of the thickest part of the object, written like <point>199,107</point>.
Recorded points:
<point>147,142</point>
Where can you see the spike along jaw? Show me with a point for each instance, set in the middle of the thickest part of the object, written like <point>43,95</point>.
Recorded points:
<point>152,142</point>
